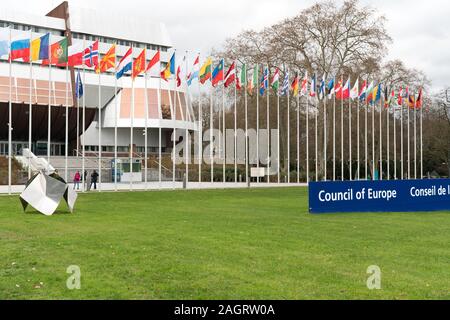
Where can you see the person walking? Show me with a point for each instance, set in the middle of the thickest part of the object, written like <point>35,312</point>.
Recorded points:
<point>94,177</point>
<point>76,180</point>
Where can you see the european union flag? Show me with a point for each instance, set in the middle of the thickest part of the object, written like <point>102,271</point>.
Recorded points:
<point>79,87</point>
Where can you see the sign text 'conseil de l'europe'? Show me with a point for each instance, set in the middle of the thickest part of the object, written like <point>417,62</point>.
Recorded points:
<point>378,196</point>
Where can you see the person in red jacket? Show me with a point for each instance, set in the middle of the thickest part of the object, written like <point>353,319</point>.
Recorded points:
<point>76,180</point>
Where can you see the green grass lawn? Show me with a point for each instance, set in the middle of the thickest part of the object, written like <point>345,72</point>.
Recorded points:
<point>220,244</point>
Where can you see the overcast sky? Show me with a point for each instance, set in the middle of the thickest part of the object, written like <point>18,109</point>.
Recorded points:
<point>420,29</point>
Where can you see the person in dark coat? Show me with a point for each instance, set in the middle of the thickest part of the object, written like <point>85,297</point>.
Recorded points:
<point>94,178</point>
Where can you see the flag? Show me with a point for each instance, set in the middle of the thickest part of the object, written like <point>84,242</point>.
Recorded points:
<point>419,100</point>
<point>59,52</point>
<point>230,76</point>
<point>411,101</point>
<point>242,77</point>
<point>169,69</point>
<point>386,97</point>
<point>39,48</point>
<point>194,74</point>
<point>304,89</point>
<point>337,89</point>
<point>75,53</point>
<point>312,90</point>
<point>285,86</point>
<point>217,74</point>
<point>139,64</point>
<point>4,41</point>
<point>178,76</point>
<point>156,58</point>
<point>20,49</point>
<point>362,92</point>
<point>90,55</point>
<point>108,61</point>
<point>344,92</point>
<point>205,71</point>
<point>264,84</point>
<point>252,81</point>
<point>354,93</point>
<point>294,86</point>
<point>275,84</point>
<point>322,88</point>
<point>377,96</point>
<point>79,87</point>
<point>330,88</point>
<point>400,96</point>
<point>125,64</point>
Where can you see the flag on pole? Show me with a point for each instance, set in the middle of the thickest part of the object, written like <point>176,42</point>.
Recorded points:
<point>39,48</point>
<point>59,52</point>
<point>156,58</point>
<point>230,76</point>
<point>20,49</point>
<point>322,88</point>
<point>79,86</point>
<point>217,74</point>
<point>275,84</point>
<point>125,64</point>
<point>242,77</point>
<point>344,92</point>
<point>252,81</point>
<point>377,94</point>
<point>169,69</point>
<point>264,81</point>
<point>139,64</point>
<point>179,76</point>
<point>330,88</point>
<point>285,86</point>
<point>108,61</point>
<point>304,89</point>
<point>75,53</point>
<point>419,100</point>
<point>90,58</point>
<point>337,89</point>
<point>312,90</point>
<point>194,74</point>
<point>354,93</point>
<point>386,97</point>
<point>400,96</point>
<point>295,85</point>
<point>363,91</point>
<point>411,101</point>
<point>205,71</point>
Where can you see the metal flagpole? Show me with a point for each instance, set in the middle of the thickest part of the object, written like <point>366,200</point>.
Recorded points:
<point>99,131</point>
<point>174,118</point>
<point>235,123</point>
<point>401,139</point>
<point>278,139</point>
<point>288,136</point>
<point>387,139</point>
<point>298,137</point>
<point>83,167</point>
<point>200,128</point>
<point>373,137</point>
<point>415,140</point>
<point>357,133</point>
<point>131,124</point>
<point>350,136</point>
<point>334,130</point>
<point>160,130</point>
<point>324,131</point>
<point>381,138</point>
<point>257,119</point>
<point>30,110</point>
<point>49,108</point>
<point>116,114</point>
<point>223,126</point>
<point>421,141</point>
<point>366,151</point>
<point>211,125</point>
<point>307,140</point>
<point>342,128</point>
<point>268,127</point>
<point>146,128</point>
<point>187,154</point>
<point>66,154</point>
<point>409,142</point>
<point>316,141</point>
<point>394,115</point>
<point>246,125</point>
<point>10,120</point>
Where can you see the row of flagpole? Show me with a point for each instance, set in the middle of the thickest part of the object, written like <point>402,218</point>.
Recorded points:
<point>174,105</point>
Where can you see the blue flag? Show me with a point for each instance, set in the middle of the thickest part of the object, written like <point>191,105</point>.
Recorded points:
<point>79,87</point>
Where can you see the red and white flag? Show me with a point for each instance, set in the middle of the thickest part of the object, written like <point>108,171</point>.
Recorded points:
<point>230,76</point>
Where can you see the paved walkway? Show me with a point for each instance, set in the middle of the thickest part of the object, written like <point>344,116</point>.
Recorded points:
<point>168,185</point>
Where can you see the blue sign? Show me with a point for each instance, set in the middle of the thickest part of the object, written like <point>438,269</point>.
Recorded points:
<point>379,196</point>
